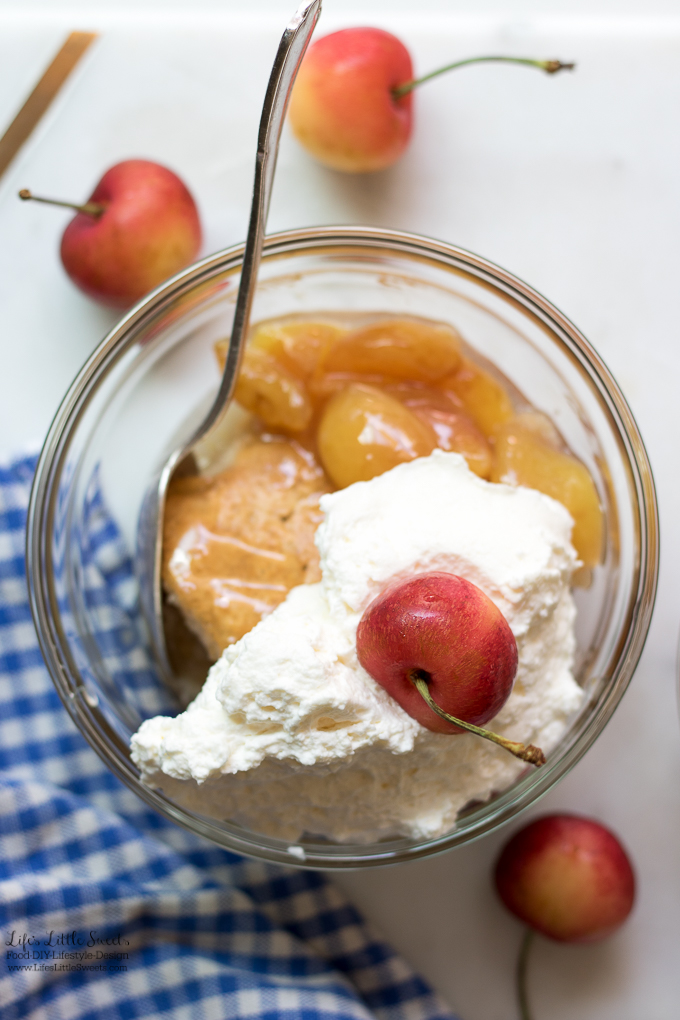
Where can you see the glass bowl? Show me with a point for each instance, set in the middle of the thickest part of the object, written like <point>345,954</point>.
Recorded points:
<point>149,381</point>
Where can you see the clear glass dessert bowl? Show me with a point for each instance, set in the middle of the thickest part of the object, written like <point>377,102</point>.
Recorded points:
<point>150,380</point>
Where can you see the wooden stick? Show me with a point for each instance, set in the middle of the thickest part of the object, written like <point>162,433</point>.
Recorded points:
<point>42,95</point>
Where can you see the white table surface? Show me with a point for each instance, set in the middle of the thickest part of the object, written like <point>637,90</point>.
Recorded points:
<point>572,183</point>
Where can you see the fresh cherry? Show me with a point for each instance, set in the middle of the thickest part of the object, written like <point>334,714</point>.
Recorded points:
<point>444,651</point>
<point>139,226</point>
<point>351,107</point>
<point>568,878</point>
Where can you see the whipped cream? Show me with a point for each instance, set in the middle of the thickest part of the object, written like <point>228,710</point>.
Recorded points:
<point>291,736</point>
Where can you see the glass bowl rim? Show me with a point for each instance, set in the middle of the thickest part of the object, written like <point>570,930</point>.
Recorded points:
<point>314,240</point>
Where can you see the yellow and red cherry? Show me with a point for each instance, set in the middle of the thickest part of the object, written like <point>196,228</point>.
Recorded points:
<point>442,649</point>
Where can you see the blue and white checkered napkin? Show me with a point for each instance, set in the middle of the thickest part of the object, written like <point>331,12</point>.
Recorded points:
<point>147,920</point>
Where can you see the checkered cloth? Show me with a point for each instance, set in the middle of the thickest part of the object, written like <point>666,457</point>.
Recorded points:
<point>147,920</point>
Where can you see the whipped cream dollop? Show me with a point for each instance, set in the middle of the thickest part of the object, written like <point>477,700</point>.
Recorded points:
<point>290,735</point>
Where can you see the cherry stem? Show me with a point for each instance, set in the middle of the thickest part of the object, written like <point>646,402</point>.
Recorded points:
<point>549,66</point>
<point>94,209</point>
<point>521,975</point>
<point>534,755</point>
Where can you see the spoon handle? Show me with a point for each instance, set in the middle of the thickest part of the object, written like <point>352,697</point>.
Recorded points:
<point>292,47</point>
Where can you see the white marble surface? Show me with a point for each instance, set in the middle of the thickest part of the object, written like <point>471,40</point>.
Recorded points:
<point>573,183</point>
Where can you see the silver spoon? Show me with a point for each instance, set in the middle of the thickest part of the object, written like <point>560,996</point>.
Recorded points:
<point>291,50</point>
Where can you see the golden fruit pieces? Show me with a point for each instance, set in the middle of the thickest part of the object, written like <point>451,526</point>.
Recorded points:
<point>524,456</point>
<point>453,429</point>
<point>300,346</point>
<point>399,348</point>
<point>269,390</point>
<point>482,397</point>
<point>364,432</point>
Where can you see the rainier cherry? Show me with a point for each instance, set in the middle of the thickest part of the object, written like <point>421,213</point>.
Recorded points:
<point>568,878</point>
<point>139,226</point>
<point>352,107</point>
<point>445,652</point>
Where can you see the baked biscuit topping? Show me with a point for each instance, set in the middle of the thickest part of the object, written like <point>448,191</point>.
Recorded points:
<point>235,544</point>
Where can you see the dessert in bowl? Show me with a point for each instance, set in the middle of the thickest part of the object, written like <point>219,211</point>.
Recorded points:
<point>141,391</point>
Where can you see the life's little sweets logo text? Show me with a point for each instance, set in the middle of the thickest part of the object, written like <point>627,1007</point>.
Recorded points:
<point>60,951</point>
